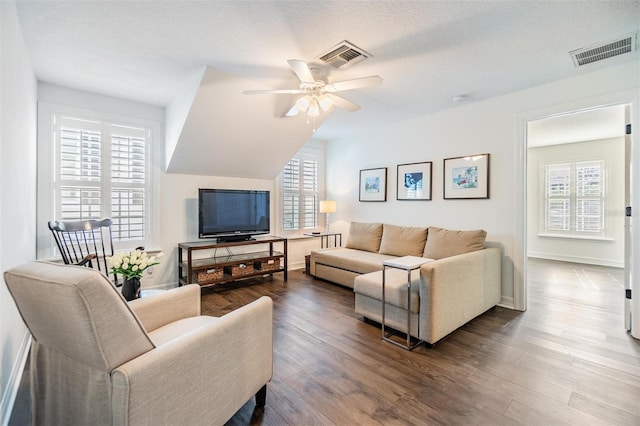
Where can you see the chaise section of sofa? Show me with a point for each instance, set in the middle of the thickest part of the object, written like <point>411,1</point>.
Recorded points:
<point>450,291</point>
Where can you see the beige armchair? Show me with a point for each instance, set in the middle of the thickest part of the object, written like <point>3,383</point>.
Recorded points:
<point>96,359</point>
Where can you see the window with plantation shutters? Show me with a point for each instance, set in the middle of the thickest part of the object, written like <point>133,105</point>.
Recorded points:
<point>575,198</point>
<point>102,171</point>
<point>300,192</point>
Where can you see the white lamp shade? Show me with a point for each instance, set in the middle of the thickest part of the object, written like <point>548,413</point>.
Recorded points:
<point>303,103</point>
<point>325,102</point>
<point>314,108</point>
<point>327,206</point>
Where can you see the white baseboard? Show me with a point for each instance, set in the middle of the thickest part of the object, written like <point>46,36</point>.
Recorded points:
<point>11,391</point>
<point>578,259</point>
<point>295,265</point>
<point>507,302</point>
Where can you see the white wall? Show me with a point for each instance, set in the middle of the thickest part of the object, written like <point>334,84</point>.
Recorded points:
<point>608,251</point>
<point>494,126</point>
<point>17,193</point>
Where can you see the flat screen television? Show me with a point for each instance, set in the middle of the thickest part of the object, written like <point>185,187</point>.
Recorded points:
<point>231,214</point>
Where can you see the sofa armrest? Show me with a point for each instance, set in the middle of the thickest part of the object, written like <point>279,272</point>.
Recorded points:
<point>168,306</point>
<point>456,289</point>
<point>202,377</point>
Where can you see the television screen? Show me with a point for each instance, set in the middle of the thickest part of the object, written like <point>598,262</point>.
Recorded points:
<point>233,214</point>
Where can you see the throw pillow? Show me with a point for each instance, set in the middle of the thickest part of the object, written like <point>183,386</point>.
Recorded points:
<point>444,243</point>
<point>364,236</point>
<point>403,240</point>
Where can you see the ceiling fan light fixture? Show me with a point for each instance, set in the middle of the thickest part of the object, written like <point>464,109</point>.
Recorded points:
<point>314,108</point>
<point>325,102</point>
<point>303,103</point>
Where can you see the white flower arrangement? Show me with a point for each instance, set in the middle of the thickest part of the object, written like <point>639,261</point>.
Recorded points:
<point>132,264</point>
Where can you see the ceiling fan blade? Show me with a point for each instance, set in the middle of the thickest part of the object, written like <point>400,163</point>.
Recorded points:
<point>270,92</point>
<point>292,112</point>
<point>302,70</point>
<point>356,83</point>
<point>343,103</point>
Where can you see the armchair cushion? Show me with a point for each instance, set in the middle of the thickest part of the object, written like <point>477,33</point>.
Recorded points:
<point>167,306</point>
<point>175,329</point>
<point>443,243</point>
<point>364,236</point>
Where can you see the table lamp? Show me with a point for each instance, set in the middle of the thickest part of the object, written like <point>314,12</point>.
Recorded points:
<point>328,207</point>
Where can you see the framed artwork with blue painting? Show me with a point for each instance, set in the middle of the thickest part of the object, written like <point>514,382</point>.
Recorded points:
<point>414,182</point>
<point>466,177</point>
<point>373,184</point>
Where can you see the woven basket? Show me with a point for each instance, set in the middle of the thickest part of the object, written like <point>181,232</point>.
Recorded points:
<point>208,274</point>
<point>268,264</point>
<point>240,269</point>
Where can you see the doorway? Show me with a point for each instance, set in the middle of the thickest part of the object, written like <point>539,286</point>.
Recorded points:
<point>576,189</point>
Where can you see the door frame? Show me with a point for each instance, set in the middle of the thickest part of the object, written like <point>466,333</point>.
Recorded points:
<point>630,97</point>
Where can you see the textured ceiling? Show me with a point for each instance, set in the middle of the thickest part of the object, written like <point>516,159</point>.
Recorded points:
<point>427,52</point>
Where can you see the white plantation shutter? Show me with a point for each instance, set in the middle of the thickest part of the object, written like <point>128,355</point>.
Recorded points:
<point>291,195</point>
<point>575,198</point>
<point>558,197</point>
<point>589,197</point>
<point>102,170</point>
<point>310,194</point>
<point>128,177</point>
<point>300,191</point>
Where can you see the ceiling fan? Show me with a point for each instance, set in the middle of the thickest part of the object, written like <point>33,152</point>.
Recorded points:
<point>319,94</point>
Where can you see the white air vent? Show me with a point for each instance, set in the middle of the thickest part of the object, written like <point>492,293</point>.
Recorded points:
<point>344,55</point>
<point>604,51</point>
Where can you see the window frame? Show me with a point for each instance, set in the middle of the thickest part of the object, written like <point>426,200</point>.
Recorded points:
<point>47,168</point>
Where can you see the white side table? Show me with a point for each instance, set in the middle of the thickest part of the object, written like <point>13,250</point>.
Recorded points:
<point>407,263</point>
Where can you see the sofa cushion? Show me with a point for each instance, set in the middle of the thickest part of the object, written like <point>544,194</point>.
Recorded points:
<point>444,242</point>
<point>364,236</point>
<point>402,240</point>
<point>395,288</point>
<point>359,261</point>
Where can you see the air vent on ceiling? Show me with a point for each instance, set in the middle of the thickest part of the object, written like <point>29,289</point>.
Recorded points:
<point>344,55</point>
<point>604,51</point>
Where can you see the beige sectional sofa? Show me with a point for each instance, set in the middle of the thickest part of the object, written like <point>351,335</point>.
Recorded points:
<point>462,281</point>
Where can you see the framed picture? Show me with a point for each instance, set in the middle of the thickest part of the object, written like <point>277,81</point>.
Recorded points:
<point>414,181</point>
<point>373,184</point>
<point>466,177</point>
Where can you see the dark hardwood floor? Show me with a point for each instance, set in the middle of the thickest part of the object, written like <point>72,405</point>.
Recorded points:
<point>567,360</point>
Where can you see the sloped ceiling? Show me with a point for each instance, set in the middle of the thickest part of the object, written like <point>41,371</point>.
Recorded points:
<point>221,138</point>
<point>427,52</point>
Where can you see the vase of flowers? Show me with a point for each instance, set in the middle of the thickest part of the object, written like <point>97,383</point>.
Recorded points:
<point>131,288</point>
<point>131,266</point>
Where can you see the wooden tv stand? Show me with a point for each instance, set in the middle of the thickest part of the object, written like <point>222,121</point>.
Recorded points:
<point>210,268</point>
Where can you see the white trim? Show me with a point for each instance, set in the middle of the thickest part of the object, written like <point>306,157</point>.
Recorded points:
<point>506,302</point>
<point>13,384</point>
